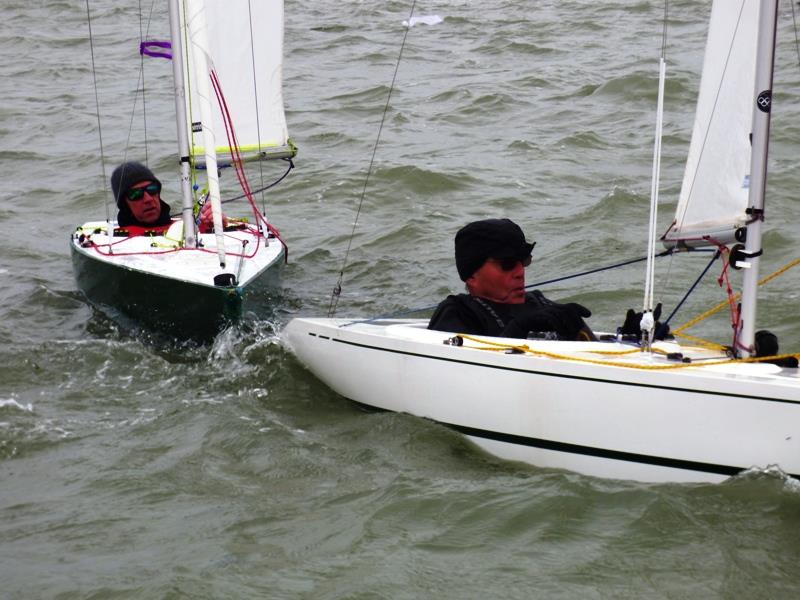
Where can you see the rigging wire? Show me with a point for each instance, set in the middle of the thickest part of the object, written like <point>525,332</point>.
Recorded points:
<point>97,106</point>
<point>667,252</point>
<point>337,290</point>
<point>624,263</point>
<point>144,97</point>
<point>717,254</point>
<point>139,85</point>
<point>266,187</point>
<point>140,79</point>
<point>258,119</point>
<point>796,41</point>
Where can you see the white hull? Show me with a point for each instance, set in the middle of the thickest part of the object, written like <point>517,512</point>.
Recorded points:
<point>699,423</point>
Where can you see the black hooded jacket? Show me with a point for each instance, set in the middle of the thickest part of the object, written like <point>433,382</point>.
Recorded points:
<point>471,315</point>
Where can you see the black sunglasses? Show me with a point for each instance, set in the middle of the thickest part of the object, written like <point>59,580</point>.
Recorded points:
<point>509,264</point>
<point>135,194</point>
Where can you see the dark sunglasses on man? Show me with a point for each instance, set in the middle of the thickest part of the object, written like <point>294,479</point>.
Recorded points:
<point>509,263</point>
<point>136,194</point>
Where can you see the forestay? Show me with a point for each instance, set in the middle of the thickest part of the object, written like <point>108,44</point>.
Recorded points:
<point>714,193</point>
<point>245,49</point>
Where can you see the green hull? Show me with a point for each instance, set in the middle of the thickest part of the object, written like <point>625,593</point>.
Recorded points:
<point>167,305</point>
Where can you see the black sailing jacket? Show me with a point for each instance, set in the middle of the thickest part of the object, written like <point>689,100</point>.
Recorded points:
<point>471,315</point>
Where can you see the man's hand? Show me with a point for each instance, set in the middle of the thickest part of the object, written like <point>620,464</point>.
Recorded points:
<point>633,321</point>
<point>205,223</point>
<point>566,320</point>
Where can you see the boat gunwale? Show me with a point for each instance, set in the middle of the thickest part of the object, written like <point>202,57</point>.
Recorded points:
<point>699,373</point>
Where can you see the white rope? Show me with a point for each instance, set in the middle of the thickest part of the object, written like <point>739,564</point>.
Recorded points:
<point>648,325</point>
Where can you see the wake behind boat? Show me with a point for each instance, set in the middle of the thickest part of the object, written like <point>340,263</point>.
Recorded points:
<point>655,411</point>
<point>227,70</point>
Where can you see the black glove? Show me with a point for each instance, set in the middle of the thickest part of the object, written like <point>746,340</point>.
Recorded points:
<point>578,313</point>
<point>577,309</point>
<point>633,320</point>
<point>566,320</point>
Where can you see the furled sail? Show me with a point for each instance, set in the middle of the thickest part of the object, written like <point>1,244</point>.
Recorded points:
<point>245,50</point>
<point>714,193</point>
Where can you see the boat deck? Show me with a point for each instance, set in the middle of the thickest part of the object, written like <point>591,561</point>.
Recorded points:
<point>247,252</point>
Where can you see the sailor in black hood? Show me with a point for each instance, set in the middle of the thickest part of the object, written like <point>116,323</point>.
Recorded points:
<point>138,195</point>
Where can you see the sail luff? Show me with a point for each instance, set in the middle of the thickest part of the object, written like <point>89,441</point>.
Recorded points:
<point>714,193</point>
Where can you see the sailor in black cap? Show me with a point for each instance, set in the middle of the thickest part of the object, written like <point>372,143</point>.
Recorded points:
<point>137,193</point>
<point>491,256</point>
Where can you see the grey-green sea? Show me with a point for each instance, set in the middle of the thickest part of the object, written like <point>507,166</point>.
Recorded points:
<point>133,466</point>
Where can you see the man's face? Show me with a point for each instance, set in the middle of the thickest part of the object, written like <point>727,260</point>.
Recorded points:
<point>493,282</point>
<point>147,208</point>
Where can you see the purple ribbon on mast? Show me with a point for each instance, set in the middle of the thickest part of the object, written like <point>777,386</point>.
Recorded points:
<point>145,49</point>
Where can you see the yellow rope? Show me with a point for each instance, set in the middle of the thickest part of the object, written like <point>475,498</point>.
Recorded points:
<point>705,315</point>
<point>619,352</point>
<point>780,271</point>
<point>702,342</point>
<point>678,331</point>
<point>498,346</point>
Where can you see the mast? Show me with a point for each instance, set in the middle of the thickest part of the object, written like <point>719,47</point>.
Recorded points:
<point>765,58</point>
<point>187,204</point>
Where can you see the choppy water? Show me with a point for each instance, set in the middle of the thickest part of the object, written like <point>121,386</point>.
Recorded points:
<point>135,468</point>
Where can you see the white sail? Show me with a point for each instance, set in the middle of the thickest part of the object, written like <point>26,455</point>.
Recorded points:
<point>714,193</point>
<point>245,49</point>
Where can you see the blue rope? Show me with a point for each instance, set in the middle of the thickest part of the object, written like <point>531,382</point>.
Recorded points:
<point>694,285</point>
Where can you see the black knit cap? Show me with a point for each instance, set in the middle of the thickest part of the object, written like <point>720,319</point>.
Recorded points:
<point>127,175</point>
<point>490,238</point>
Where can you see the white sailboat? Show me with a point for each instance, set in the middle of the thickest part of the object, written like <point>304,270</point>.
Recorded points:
<point>227,69</point>
<point>675,412</point>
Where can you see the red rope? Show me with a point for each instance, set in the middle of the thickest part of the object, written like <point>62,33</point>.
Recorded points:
<point>238,163</point>
<point>733,304</point>
<point>99,247</point>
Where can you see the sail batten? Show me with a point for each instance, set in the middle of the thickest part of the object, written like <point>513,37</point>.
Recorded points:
<point>225,154</point>
<point>714,193</point>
